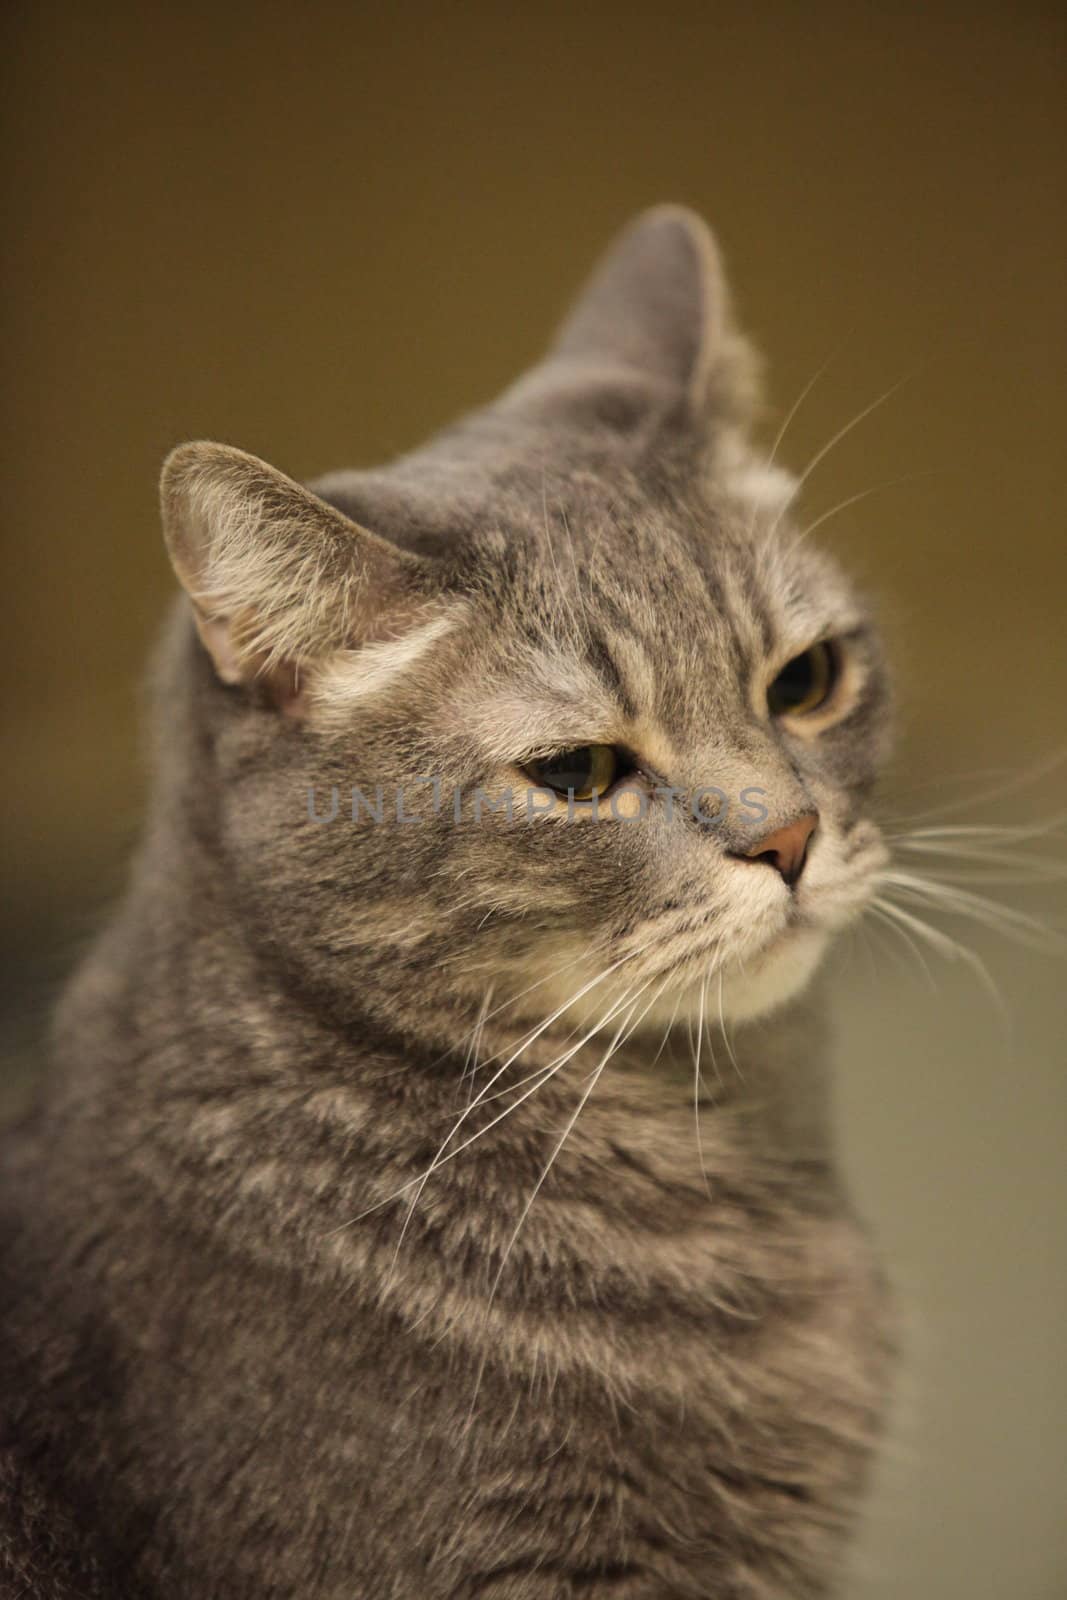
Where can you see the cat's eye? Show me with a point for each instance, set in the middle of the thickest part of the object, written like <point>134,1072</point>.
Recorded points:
<point>589,770</point>
<point>806,683</point>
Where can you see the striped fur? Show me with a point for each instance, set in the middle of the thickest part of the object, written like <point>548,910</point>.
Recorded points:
<point>303,1296</point>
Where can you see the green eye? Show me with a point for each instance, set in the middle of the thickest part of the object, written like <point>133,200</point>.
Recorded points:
<point>805,683</point>
<point>590,770</point>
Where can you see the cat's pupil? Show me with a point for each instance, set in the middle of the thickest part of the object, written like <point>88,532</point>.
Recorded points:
<point>803,683</point>
<point>795,681</point>
<point>586,771</point>
<point>570,771</point>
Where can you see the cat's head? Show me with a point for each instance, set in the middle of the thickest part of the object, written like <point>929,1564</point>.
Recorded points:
<point>594,584</point>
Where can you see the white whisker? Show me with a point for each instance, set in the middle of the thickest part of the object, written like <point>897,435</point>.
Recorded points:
<point>842,433</point>
<point>698,1084</point>
<point>1011,785</point>
<point>978,908</point>
<point>670,1024</point>
<point>723,1029</point>
<point>877,910</point>
<point>795,407</point>
<point>854,500</point>
<point>471,1057</point>
<point>622,1032</point>
<point>441,1158</point>
<point>947,946</point>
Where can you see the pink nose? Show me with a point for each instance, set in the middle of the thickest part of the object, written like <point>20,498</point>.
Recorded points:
<point>786,848</point>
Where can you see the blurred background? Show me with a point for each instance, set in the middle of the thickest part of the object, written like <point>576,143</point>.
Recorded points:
<point>318,232</point>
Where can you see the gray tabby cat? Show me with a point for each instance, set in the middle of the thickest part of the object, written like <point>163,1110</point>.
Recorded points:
<point>444,1205</point>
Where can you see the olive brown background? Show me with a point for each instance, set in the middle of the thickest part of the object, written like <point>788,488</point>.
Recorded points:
<point>318,231</point>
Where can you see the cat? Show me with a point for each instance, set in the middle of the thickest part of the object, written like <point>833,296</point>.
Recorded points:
<point>433,1193</point>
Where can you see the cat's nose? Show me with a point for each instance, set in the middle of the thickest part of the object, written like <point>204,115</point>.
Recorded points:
<point>786,849</point>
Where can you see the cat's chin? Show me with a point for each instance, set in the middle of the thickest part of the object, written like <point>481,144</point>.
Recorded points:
<point>775,977</point>
<point>739,992</point>
<point>765,982</point>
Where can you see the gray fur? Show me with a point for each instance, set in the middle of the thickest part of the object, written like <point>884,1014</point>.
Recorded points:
<point>233,1365</point>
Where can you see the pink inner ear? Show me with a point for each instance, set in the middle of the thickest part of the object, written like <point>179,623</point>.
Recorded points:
<point>278,686</point>
<point>215,635</point>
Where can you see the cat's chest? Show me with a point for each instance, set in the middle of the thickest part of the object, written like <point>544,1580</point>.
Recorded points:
<point>322,1438</point>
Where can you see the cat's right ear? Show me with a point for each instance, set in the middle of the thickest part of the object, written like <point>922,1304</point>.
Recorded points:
<point>278,579</point>
<point>651,335</point>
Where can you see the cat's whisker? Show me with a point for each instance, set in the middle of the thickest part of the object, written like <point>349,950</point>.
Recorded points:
<point>993,830</point>
<point>471,1057</point>
<point>794,409</point>
<point>985,775</point>
<point>509,1088</point>
<point>723,1028</point>
<point>621,1034</point>
<point>542,1077</point>
<point>990,853</point>
<point>698,1084</point>
<point>708,1034</point>
<point>1013,784</point>
<point>625,1028</point>
<point>542,1074</point>
<point>668,973</point>
<point>902,933</point>
<point>952,948</point>
<point>670,1024</point>
<point>976,836</point>
<point>479,1099</point>
<point>852,500</point>
<point>440,1159</point>
<point>832,443</point>
<point>1021,864</point>
<point>992,871</point>
<point>504,1005</point>
<point>528,1077</point>
<point>979,908</point>
<point>535,1032</point>
<point>867,932</point>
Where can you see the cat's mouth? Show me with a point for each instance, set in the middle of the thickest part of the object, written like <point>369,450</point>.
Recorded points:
<point>774,953</point>
<point>740,957</point>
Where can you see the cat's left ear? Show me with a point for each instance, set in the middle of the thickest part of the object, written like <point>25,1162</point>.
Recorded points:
<point>279,580</point>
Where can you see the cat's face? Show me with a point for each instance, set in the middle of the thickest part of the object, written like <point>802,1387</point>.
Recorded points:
<point>588,600</point>
<point>644,642</point>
